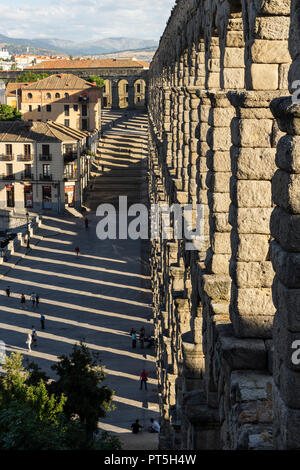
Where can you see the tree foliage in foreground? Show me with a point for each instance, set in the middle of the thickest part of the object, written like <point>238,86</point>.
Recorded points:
<point>60,415</point>
<point>79,378</point>
<point>8,113</point>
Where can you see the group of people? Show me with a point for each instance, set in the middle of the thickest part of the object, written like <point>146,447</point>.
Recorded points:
<point>153,428</point>
<point>35,300</point>
<point>142,338</point>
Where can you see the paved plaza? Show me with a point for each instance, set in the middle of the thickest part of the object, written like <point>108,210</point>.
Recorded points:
<point>96,297</point>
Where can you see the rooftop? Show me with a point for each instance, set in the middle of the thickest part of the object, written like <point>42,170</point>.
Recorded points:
<point>89,64</point>
<point>60,82</point>
<point>47,132</point>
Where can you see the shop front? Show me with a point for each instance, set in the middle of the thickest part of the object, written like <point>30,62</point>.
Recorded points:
<point>28,196</point>
<point>70,195</point>
<point>47,197</point>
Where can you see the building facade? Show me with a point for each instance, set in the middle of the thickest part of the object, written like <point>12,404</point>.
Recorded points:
<point>63,98</point>
<point>126,80</point>
<point>43,166</point>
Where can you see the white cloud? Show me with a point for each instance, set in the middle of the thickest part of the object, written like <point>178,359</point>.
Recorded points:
<point>84,19</point>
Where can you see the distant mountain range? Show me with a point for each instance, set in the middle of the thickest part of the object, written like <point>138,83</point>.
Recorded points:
<point>66,47</point>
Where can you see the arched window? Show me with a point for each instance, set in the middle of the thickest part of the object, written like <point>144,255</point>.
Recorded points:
<point>67,95</point>
<point>29,96</point>
<point>48,96</point>
<point>57,95</point>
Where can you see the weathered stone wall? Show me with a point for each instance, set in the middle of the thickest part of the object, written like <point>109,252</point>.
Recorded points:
<point>213,140</point>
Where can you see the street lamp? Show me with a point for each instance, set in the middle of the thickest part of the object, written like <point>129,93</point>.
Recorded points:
<point>28,233</point>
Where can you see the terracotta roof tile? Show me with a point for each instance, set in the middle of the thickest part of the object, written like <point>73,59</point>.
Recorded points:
<point>22,131</point>
<point>84,63</point>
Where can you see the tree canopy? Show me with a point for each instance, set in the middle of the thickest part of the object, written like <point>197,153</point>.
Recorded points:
<point>79,379</point>
<point>8,113</point>
<point>38,414</point>
<point>31,77</point>
<point>99,81</point>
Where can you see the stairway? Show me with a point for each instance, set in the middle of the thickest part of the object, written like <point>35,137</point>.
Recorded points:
<point>120,168</point>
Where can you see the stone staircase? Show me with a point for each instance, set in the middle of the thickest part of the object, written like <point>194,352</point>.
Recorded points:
<point>120,168</point>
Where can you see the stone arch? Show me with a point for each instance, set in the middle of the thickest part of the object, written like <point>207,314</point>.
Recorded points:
<point>107,93</point>
<point>139,93</point>
<point>123,87</point>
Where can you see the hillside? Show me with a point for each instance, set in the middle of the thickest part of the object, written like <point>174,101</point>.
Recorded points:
<point>55,46</point>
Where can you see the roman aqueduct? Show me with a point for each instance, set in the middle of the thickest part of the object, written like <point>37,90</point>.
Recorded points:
<point>224,133</point>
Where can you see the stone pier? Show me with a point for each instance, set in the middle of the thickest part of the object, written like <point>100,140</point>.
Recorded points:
<point>223,135</point>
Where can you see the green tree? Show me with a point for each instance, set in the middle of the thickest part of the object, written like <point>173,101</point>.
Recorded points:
<point>31,418</point>
<point>8,113</point>
<point>99,81</point>
<point>79,377</point>
<point>30,77</point>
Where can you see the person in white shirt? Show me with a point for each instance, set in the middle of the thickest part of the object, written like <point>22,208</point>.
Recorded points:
<point>155,427</point>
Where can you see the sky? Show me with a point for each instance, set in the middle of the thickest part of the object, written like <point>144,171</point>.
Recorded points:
<point>79,20</point>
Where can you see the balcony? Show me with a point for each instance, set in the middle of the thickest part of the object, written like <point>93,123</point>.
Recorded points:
<point>45,177</point>
<point>71,176</point>
<point>70,156</point>
<point>7,177</point>
<point>24,158</point>
<point>26,176</point>
<point>45,158</point>
<point>7,158</point>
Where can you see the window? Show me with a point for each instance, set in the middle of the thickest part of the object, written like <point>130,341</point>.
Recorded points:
<point>45,150</point>
<point>10,196</point>
<point>48,108</point>
<point>138,88</point>
<point>39,108</point>
<point>30,108</point>
<point>67,122</point>
<point>57,95</point>
<point>8,150</point>
<point>84,110</point>
<point>29,96</point>
<point>48,96</point>
<point>46,170</point>
<point>69,171</point>
<point>67,110</point>
<point>84,124</point>
<point>9,169</point>
<point>139,99</point>
<point>67,95</point>
<point>126,88</point>
<point>75,107</point>
<point>27,150</point>
<point>27,171</point>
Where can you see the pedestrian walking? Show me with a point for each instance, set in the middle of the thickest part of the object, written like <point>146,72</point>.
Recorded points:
<point>34,336</point>
<point>86,223</point>
<point>42,321</point>
<point>37,300</point>
<point>23,302</point>
<point>142,337</point>
<point>28,341</point>
<point>144,378</point>
<point>133,337</point>
<point>32,298</point>
<point>8,291</point>
<point>77,251</point>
